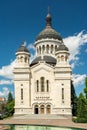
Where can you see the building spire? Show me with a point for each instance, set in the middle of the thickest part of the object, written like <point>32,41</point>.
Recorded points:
<point>48,18</point>
<point>48,10</point>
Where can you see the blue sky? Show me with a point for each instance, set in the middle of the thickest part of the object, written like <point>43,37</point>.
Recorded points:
<point>22,20</point>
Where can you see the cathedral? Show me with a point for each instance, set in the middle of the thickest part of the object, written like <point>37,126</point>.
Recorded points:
<point>43,87</point>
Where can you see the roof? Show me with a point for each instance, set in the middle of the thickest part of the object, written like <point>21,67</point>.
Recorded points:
<point>48,59</point>
<point>23,49</point>
<point>62,47</point>
<point>48,32</point>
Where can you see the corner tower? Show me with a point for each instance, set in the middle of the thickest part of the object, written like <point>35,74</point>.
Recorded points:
<point>63,78</point>
<point>22,81</point>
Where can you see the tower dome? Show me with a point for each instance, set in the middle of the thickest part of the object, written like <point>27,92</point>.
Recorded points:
<point>62,47</point>
<point>23,49</point>
<point>48,32</point>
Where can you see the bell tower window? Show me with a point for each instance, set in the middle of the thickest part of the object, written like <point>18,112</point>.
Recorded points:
<point>62,95</point>
<point>21,93</point>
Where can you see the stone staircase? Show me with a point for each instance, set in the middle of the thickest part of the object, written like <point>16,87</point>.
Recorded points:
<point>40,116</point>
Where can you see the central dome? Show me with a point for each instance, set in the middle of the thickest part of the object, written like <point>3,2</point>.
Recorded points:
<point>48,32</point>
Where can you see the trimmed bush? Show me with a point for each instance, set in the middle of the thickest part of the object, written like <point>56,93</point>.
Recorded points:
<point>82,120</point>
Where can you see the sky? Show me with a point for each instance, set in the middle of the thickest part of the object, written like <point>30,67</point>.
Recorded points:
<point>22,20</point>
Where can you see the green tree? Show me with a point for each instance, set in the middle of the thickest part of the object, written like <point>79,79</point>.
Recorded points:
<point>10,97</point>
<point>80,112</point>
<point>82,109</point>
<point>74,100</point>
<point>85,89</point>
<point>82,106</point>
<point>10,105</point>
<point>10,108</point>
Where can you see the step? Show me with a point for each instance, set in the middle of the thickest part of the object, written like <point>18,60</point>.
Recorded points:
<point>40,116</point>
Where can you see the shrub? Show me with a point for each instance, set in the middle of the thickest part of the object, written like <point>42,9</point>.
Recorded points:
<point>82,120</point>
<point>74,119</point>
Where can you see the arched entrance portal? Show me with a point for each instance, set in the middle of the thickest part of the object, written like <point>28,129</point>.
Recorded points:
<point>42,109</point>
<point>48,109</point>
<point>36,109</point>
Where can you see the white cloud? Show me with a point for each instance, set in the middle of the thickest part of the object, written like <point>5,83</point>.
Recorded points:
<point>32,57</point>
<point>6,71</point>
<point>78,79</point>
<point>74,44</point>
<point>31,46</point>
<point>7,82</point>
<point>4,92</point>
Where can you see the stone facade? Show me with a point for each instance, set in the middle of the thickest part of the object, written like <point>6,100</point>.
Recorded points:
<point>44,85</point>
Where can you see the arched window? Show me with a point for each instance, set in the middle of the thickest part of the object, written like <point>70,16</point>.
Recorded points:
<point>55,48</point>
<point>37,86</point>
<point>39,50</point>
<point>42,84</point>
<point>21,93</point>
<point>51,48</point>
<point>25,59</point>
<point>43,49</point>
<point>62,58</point>
<point>58,58</point>
<point>47,48</point>
<point>21,59</point>
<point>66,58</point>
<point>47,83</point>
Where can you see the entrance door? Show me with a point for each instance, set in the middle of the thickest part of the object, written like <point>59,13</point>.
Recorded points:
<point>36,109</point>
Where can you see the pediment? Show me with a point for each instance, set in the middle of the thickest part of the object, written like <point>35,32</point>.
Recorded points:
<point>43,67</point>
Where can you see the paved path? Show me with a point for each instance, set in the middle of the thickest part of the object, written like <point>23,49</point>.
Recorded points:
<point>52,122</point>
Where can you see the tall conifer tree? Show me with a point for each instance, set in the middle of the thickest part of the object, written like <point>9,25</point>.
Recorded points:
<point>85,89</point>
